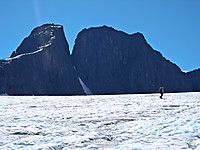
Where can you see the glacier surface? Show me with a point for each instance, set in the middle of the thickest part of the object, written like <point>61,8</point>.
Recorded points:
<point>136,121</point>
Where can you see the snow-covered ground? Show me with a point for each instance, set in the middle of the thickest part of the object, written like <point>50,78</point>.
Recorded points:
<point>141,121</point>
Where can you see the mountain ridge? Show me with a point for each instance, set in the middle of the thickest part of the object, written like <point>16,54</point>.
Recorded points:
<point>40,67</point>
<point>116,55</point>
<point>138,34</point>
<point>104,60</point>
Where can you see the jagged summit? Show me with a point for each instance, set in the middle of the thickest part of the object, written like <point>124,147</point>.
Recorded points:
<point>108,29</point>
<point>108,36</point>
<point>41,65</point>
<point>138,35</point>
<point>40,37</point>
<point>110,61</point>
<point>46,27</point>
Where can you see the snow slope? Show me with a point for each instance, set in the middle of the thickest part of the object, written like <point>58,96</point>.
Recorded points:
<point>85,88</point>
<point>101,122</point>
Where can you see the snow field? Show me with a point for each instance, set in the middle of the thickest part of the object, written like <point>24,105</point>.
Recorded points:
<point>140,121</point>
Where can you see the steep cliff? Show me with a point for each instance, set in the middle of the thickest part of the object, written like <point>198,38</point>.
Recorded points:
<point>193,78</point>
<point>41,65</point>
<point>110,61</point>
<point>104,61</point>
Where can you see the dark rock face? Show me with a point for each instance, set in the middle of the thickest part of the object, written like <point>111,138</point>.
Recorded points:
<point>193,78</point>
<point>110,62</point>
<point>41,65</point>
<point>104,60</point>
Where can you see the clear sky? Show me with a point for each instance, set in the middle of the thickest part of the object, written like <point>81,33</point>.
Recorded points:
<point>169,26</point>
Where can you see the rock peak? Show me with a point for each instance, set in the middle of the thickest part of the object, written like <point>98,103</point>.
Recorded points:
<point>41,65</point>
<point>138,34</point>
<point>46,27</point>
<point>41,36</point>
<point>105,30</point>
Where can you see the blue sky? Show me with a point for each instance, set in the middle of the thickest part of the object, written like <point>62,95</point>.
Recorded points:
<point>169,26</point>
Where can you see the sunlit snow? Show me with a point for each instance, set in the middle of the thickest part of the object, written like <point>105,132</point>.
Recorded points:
<point>141,121</point>
<point>85,88</point>
<point>21,55</point>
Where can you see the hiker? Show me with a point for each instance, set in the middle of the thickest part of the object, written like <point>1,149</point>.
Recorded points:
<point>161,92</point>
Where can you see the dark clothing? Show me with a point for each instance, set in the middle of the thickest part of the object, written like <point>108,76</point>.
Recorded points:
<point>161,92</point>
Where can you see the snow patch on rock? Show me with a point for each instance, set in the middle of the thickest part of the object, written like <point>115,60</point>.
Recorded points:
<point>85,88</point>
<point>5,94</point>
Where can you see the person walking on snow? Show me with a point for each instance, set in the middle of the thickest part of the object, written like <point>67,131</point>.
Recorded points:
<point>161,92</point>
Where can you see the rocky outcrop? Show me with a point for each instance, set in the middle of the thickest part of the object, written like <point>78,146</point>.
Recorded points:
<point>110,62</point>
<point>41,65</point>
<point>193,78</point>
